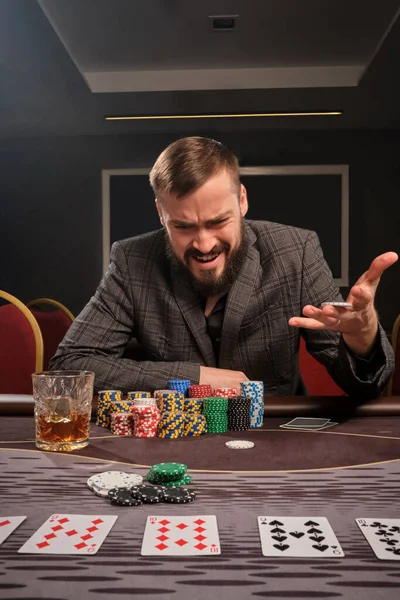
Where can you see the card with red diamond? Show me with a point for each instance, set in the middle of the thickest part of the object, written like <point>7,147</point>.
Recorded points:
<point>7,526</point>
<point>70,534</point>
<point>181,536</point>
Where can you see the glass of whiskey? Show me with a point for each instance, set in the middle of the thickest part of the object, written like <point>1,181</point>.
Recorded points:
<point>63,407</point>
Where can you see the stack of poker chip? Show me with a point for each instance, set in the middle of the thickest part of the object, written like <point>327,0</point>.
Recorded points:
<point>102,483</point>
<point>255,391</point>
<point>104,400</point>
<point>195,424</point>
<point>193,405</point>
<point>168,474</point>
<point>171,425</point>
<point>121,406</point>
<point>121,423</point>
<point>200,391</point>
<point>148,494</point>
<point>134,395</point>
<point>172,418</point>
<point>179,385</point>
<point>215,409</point>
<point>171,401</point>
<point>239,413</point>
<point>145,402</point>
<point>142,399</point>
<point>195,421</point>
<point>225,392</point>
<point>145,420</point>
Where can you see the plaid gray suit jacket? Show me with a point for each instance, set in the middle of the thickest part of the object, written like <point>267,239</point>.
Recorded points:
<point>140,298</point>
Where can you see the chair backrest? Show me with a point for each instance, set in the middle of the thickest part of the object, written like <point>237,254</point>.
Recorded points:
<point>21,346</point>
<point>315,376</point>
<point>53,324</point>
<point>394,384</point>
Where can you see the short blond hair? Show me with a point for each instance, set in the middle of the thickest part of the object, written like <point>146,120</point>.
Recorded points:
<point>185,165</point>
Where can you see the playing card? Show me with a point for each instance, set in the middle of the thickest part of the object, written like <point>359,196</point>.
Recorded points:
<point>383,535</point>
<point>181,536</point>
<point>298,536</point>
<point>310,427</point>
<point>301,422</point>
<point>7,526</point>
<point>308,423</point>
<point>70,534</point>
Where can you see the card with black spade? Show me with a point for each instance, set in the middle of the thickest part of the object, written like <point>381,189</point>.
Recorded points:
<point>181,536</point>
<point>298,536</point>
<point>383,535</point>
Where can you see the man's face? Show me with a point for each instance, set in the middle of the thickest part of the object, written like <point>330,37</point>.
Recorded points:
<point>205,231</point>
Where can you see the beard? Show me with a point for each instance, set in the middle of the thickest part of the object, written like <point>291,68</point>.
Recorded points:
<point>208,283</point>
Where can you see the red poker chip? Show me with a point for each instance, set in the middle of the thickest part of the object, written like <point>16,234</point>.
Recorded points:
<point>200,391</point>
<point>225,392</point>
<point>145,429</point>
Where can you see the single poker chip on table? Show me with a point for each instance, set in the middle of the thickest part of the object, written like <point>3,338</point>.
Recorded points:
<point>123,497</point>
<point>239,445</point>
<point>101,483</point>
<point>179,495</point>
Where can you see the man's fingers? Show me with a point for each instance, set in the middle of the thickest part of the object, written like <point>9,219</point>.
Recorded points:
<point>307,323</point>
<point>329,315</point>
<point>378,265</point>
<point>359,297</point>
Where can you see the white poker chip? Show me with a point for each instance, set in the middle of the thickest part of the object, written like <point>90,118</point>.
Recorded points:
<point>342,304</point>
<point>100,491</point>
<point>145,402</point>
<point>239,445</point>
<point>103,482</point>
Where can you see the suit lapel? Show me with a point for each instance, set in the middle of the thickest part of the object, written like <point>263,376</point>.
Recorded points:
<point>237,302</point>
<point>189,305</point>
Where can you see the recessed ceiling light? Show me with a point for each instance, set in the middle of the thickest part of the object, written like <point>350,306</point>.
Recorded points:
<point>223,22</point>
<point>224,116</point>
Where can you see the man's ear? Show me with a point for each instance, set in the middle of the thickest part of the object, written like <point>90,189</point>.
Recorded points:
<point>160,213</point>
<point>244,205</point>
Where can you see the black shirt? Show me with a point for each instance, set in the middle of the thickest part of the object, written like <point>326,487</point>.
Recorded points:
<point>214,326</point>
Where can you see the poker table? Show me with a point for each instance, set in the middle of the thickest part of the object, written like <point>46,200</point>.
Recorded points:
<point>349,471</point>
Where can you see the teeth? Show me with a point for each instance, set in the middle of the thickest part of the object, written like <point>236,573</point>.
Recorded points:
<point>206,258</point>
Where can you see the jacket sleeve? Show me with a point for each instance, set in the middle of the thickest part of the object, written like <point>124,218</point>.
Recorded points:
<point>98,337</point>
<point>364,378</point>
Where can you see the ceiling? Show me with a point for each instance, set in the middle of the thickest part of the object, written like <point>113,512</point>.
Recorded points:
<point>66,64</point>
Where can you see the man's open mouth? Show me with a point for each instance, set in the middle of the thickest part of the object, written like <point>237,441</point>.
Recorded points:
<point>207,258</point>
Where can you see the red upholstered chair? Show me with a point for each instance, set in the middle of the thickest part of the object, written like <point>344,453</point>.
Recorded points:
<point>21,346</point>
<point>316,378</point>
<point>53,323</point>
<point>394,383</point>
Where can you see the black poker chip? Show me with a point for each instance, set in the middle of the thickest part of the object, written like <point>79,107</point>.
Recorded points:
<point>179,495</point>
<point>123,497</point>
<point>148,494</point>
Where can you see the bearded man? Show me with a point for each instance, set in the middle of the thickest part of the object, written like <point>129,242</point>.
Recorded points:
<point>218,299</point>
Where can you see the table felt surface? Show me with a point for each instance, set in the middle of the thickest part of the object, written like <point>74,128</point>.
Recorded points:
<point>349,471</point>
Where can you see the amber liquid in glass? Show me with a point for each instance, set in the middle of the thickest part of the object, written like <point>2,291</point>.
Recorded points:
<point>62,432</point>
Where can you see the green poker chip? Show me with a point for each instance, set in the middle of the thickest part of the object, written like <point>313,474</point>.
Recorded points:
<point>165,472</point>
<point>185,480</point>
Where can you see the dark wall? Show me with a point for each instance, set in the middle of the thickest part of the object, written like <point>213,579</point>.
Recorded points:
<point>50,202</point>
